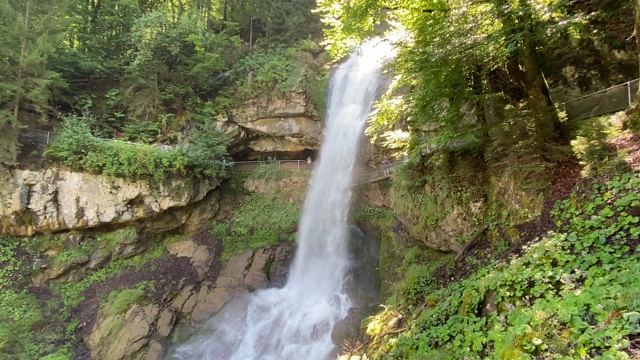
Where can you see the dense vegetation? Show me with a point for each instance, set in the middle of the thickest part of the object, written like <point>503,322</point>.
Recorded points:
<point>572,294</point>
<point>146,71</point>
<point>481,72</point>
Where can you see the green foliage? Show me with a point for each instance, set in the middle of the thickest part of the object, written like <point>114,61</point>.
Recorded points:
<point>592,145</point>
<point>380,217</point>
<point>260,221</point>
<point>75,147</point>
<point>28,328</point>
<point>572,294</point>
<point>270,171</point>
<point>206,150</point>
<point>282,69</point>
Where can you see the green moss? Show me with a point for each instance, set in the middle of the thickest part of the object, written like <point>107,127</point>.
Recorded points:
<point>120,301</point>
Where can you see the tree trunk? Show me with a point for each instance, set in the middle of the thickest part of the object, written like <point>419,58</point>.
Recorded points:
<point>209,18</point>
<point>224,14</point>
<point>637,31</point>
<point>251,32</point>
<point>524,69</point>
<point>23,50</point>
<point>180,9</point>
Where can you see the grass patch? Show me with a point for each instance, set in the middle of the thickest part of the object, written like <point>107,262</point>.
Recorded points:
<point>260,221</point>
<point>121,300</point>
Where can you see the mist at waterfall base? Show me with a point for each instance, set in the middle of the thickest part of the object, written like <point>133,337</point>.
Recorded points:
<point>296,321</point>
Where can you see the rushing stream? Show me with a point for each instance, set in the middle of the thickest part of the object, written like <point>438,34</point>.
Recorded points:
<point>295,322</point>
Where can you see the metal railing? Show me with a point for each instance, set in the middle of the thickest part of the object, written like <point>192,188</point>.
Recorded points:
<point>37,136</point>
<point>282,164</point>
<point>45,137</point>
<point>607,101</point>
<point>366,175</point>
<point>380,172</point>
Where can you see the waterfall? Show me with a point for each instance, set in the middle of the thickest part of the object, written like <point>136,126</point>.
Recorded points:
<point>295,322</point>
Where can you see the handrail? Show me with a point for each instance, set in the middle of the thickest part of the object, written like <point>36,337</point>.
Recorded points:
<point>627,84</point>
<point>601,102</point>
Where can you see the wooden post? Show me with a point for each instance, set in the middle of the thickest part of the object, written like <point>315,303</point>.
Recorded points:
<point>629,91</point>
<point>48,133</point>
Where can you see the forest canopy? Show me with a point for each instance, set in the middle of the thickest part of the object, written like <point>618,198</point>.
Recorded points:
<point>140,66</point>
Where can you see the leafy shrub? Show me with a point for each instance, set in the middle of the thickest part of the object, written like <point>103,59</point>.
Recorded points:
<point>282,69</point>
<point>206,150</point>
<point>75,147</point>
<point>143,132</point>
<point>28,328</point>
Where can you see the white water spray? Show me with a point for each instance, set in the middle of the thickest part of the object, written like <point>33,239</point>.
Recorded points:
<point>295,322</point>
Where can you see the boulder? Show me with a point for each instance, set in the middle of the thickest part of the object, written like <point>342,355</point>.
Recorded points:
<point>376,195</point>
<point>98,258</point>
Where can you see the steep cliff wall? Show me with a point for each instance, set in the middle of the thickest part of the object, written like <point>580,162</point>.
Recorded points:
<point>54,200</point>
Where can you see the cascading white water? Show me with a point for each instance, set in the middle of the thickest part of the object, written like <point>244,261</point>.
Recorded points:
<point>295,322</point>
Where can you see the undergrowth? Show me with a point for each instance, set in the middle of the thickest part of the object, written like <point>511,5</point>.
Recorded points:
<point>573,294</point>
<point>260,221</point>
<point>29,328</point>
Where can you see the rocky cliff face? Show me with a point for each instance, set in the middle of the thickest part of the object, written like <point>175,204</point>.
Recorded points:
<point>283,123</point>
<point>54,200</point>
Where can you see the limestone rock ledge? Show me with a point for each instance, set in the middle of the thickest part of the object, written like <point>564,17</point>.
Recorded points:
<point>55,200</point>
<point>285,123</point>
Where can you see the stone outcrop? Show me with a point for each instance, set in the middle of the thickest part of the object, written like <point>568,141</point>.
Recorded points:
<point>242,273</point>
<point>141,331</point>
<point>53,200</point>
<point>275,122</point>
<point>122,336</point>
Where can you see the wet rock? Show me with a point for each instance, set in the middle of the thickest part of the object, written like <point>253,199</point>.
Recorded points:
<point>98,259</point>
<point>349,329</point>
<point>211,301</point>
<point>257,277</point>
<point>185,301</point>
<point>165,323</point>
<point>119,336</point>
<point>229,284</point>
<point>154,352</point>
<point>199,255</point>
<point>279,269</point>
